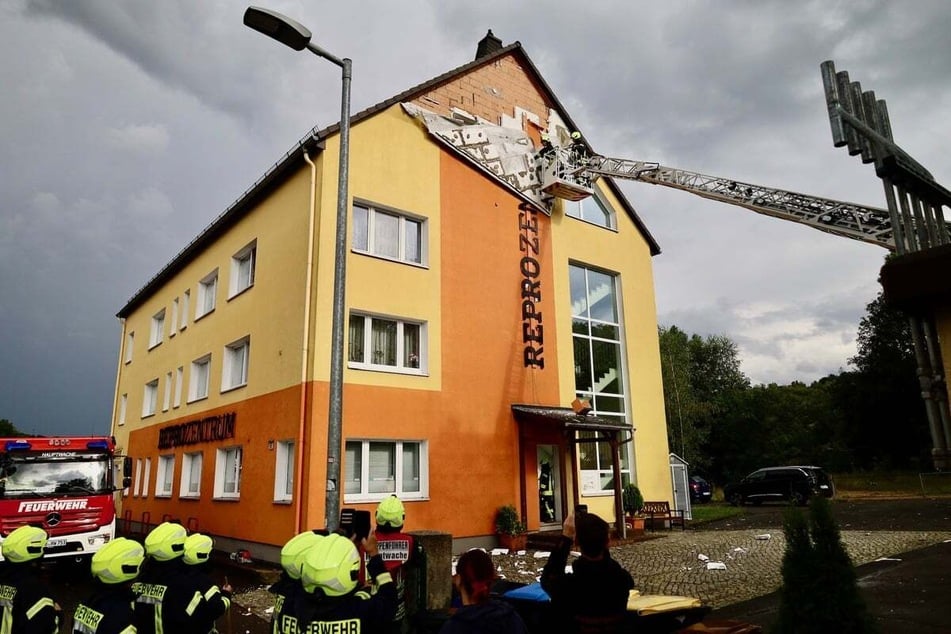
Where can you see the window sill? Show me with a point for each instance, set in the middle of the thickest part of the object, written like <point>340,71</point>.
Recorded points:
<point>196,399</point>
<point>154,346</point>
<point>386,258</point>
<point>144,416</point>
<point>241,292</point>
<point>389,369</point>
<point>203,315</point>
<point>163,496</point>
<point>362,498</point>
<point>191,497</point>
<point>220,498</point>
<point>225,390</point>
<point>284,502</point>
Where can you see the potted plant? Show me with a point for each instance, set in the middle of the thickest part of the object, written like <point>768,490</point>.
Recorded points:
<point>510,528</point>
<point>633,502</point>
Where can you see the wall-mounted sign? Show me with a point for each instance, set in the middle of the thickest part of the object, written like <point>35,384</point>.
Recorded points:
<point>208,429</point>
<point>531,295</point>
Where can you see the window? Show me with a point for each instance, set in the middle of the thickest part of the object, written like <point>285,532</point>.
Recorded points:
<point>167,399</point>
<point>157,333</point>
<point>235,371</point>
<point>388,234</point>
<point>387,344</point>
<point>284,472</point>
<point>138,477</point>
<point>146,477</point>
<point>375,469</point>
<point>207,289</point>
<point>592,210</point>
<point>228,473</point>
<point>150,398</point>
<point>186,300</point>
<point>129,340</point>
<point>123,403</point>
<point>198,380</point>
<point>163,480</point>
<point>178,386</point>
<point>173,325</point>
<point>599,373</point>
<point>190,486</point>
<point>242,269</point>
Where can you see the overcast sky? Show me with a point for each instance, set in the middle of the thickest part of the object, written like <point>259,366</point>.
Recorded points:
<point>127,127</point>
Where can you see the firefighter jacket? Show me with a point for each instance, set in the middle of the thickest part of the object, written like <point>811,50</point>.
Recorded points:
<point>108,611</point>
<point>354,613</point>
<point>167,599</point>
<point>215,602</point>
<point>286,592</point>
<point>396,549</point>
<point>25,604</point>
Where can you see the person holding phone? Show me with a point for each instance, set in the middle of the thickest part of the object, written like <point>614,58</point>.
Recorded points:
<point>593,597</point>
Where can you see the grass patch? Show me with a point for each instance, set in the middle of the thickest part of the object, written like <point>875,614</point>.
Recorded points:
<point>893,483</point>
<point>703,513</point>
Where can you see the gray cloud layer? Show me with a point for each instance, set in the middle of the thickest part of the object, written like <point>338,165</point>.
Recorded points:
<point>127,127</point>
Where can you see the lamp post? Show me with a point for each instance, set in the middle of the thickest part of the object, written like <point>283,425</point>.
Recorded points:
<point>293,34</point>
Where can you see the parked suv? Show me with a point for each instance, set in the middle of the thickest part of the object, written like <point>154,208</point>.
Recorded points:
<point>794,484</point>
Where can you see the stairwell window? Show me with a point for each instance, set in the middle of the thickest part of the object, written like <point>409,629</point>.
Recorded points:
<point>599,369</point>
<point>234,374</point>
<point>242,269</point>
<point>207,290</point>
<point>375,469</point>
<point>228,473</point>
<point>388,234</point>
<point>591,209</point>
<point>388,344</point>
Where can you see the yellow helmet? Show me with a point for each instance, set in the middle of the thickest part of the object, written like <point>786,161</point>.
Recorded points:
<point>333,565</point>
<point>166,541</point>
<point>198,549</point>
<point>391,513</point>
<point>24,544</point>
<point>118,561</point>
<point>293,552</point>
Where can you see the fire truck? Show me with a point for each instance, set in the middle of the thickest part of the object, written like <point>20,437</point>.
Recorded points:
<point>64,485</point>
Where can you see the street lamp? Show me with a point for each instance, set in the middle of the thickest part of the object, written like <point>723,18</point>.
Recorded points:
<point>295,35</point>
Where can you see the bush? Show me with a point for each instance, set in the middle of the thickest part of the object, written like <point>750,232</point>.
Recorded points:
<point>508,521</point>
<point>632,499</point>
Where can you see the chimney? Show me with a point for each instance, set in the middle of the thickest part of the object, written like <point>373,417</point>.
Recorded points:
<point>488,45</point>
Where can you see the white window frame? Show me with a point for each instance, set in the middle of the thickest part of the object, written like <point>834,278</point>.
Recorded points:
<point>167,396</point>
<point>207,295</point>
<point>150,398</point>
<point>366,242</point>
<point>129,345</point>
<point>197,383</point>
<point>165,476</point>
<point>146,477</point>
<point>173,322</point>
<point>242,279</point>
<point>179,375</point>
<point>221,460</point>
<point>186,303</point>
<point>138,478</point>
<point>364,494</point>
<point>123,405</point>
<point>235,363</point>
<point>190,462</point>
<point>576,209</point>
<point>157,331</point>
<point>367,362</point>
<point>285,459</point>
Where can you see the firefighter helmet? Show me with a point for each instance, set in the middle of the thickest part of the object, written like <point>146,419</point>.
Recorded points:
<point>166,541</point>
<point>118,561</point>
<point>24,544</point>
<point>333,565</point>
<point>390,513</point>
<point>197,549</point>
<point>294,551</point>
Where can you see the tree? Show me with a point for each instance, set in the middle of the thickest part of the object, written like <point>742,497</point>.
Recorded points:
<point>7,430</point>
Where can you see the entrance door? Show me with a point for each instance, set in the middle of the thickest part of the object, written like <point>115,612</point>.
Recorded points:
<point>550,509</point>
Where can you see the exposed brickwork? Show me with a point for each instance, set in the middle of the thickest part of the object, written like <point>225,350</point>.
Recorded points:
<point>489,92</point>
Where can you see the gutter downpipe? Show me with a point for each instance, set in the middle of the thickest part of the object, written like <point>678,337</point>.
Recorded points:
<point>305,353</point>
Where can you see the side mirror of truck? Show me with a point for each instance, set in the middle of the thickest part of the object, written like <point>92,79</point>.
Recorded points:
<point>126,472</point>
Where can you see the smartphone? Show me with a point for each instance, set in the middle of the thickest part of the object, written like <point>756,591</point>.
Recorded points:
<point>355,523</point>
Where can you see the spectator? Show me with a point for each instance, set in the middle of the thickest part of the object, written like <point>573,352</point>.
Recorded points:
<point>480,613</point>
<point>25,605</point>
<point>593,598</point>
<point>110,608</point>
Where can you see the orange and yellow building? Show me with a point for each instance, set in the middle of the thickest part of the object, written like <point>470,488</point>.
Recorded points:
<point>478,312</point>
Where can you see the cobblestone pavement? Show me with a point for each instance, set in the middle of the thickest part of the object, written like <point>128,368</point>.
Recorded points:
<point>674,563</point>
